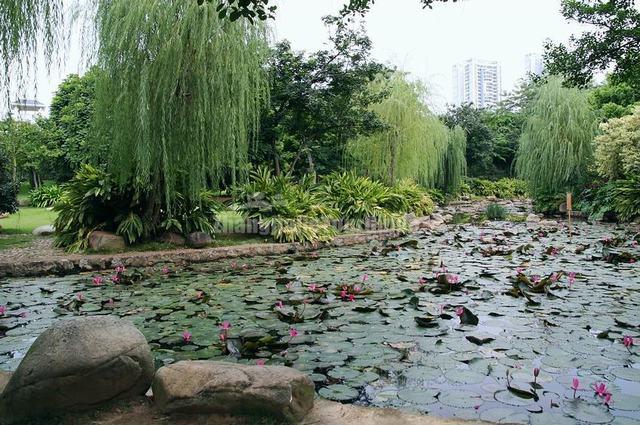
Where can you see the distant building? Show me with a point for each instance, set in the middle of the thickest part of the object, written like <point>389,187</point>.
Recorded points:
<point>533,64</point>
<point>28,109</point>
<point>478,82</point>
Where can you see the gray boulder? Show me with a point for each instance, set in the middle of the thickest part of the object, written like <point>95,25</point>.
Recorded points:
<point>105,241</point>
<point>4,379</point>
<point>230,388</point>
<point>173,239</point>
<point>199,239</point>
<point>78,364</point>
<point>45,230</point>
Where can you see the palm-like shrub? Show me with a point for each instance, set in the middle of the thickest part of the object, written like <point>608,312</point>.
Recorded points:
<point>292,212</point>
<point>410,198</point>
<point>361,200</point>
<point>45,196</point>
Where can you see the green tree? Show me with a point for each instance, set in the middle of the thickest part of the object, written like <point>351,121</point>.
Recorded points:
<point>614,100</point>
<point>70,123</point>
<point>318,102</point>
<point>506,126</point>
<point>556,147</point>
<point>8,188</point>
<point>480,138</point>
<point>614,42</point>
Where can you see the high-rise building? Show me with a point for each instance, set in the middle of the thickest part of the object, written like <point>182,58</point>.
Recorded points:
<point>478,82</point>
<point>533,64</point>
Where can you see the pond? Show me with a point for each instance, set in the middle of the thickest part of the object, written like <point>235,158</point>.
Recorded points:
<point>452,324</point>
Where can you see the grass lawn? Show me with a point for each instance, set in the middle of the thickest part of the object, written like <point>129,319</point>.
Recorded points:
<point>25,220</point>
<point>15,241</point>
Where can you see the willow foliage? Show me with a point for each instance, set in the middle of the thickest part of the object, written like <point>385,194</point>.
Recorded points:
<point>455,162</point>
<point>25,26</point>
<point>414,143</point>
<point>556,146</point>
<point>180,92</point>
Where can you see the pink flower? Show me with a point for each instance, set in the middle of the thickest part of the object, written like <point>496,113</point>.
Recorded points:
<point>572,278</point>
<point>634,243</point>
<point>343,294</point>
<point>3,310</point>
<point>313,287</point>
<point>186,336</point>
<point>110,303</point>
<point>453,279</point>
<point>601,389</point>
<point>632,260</point>
<point>199,295</point>
<point>554,251</point>
<point>165,270</point>
<point>553,277</point>
<point>120,268</point>
<point>352,297</point>
<point>23,314</point>
<point>260,362</point>
<point>575,384</point>
<point>459,311</point>
<point>279,305</point>
<point>422,281</point>
<point>223,337</point>
<point>356,289</point>
<point>607,399</point>
<point>536,372</point>
<point>225,325</point>
<point>293,332</point>
<point>535,278</point>
<point>627,341</point>
<point>80,296</point>
<point>520,270</point>
<point>115,278</point>
<point>365,277</point>
<point>97,280</point>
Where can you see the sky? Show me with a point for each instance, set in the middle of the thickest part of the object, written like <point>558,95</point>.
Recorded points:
<point>424,42</point>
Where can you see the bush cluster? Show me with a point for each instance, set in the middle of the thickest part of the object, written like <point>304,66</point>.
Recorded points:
<point>45,196</point>
<point>505,188</point>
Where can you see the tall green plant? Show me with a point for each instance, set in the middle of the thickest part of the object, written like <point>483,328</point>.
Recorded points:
<point>455,162</point>
<point>414,143</point>
<point>180,93</point>
<point>556,146</point>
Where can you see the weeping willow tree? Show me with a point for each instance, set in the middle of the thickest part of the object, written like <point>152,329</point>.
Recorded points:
<point>25,27</point>
<point>455,163</point>
<point>179,95</point>
<point>414,143</point>
<point>556,146</point>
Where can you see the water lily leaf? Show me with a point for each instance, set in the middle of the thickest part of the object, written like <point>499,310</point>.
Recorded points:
<point>339,393</point>
<point>468,318</point>
<point>459,398</point>
<point>426,321</point>
<point>584,411</point>
<point>419,396</point>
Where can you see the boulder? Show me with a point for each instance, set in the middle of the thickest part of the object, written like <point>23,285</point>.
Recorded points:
<point>173,239</point>
<point>4,379</point>
<point>45,230</point>
<point>78,364</point>
<point>220,387</point>
<point>199,239</point>
<point>105,241</point>
<point>563,208</point>
<point>532,218</point>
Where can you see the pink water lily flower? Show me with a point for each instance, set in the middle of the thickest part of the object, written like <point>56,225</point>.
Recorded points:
<point>572,278</point>
<point>634,243</point>
<point>115,278</point>
<point>627,341</point>
<point>365,277</point>
<point>422,281</point>
<point>459,311</point>
<point>293,332</point>
<point>352,297</point>
<point>186,336</point>
<point>225,325</point>
<point>607,399</point>
<point>120,268</point>
<point>535,278</point>
<point>260,362</point>
<point>279,305</point>
<point>80,296</point>
<point>343,294</point>
<point>223,337</point>
<point>601,389</point>
<point>165,270</point>
<point>536,372</point>
<point>110,303</point>
<point>357,289</point>
<point>575,384</point>
<point>313,287</point>
<point>520,270</point>
<point>97,280</point>
<point>553,277</point>
<point>453,279</point>
<point>3,310</point>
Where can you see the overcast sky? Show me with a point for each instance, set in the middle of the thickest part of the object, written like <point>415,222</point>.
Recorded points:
<point>426,43</point>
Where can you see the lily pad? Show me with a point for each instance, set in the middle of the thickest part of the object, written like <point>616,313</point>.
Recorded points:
<point>587,412</point>
<point>339,393</point>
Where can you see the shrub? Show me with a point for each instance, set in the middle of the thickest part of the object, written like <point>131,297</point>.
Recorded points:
<point>360,200</point>
<point>291,212</point>
<point>410,199</point>
<point>496,212</point>
<point>45,196</point>
<point>505,188</point>
<point>92,201</point>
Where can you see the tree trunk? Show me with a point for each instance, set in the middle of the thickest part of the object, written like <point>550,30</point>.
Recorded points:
<point>312,168</point>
